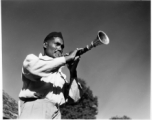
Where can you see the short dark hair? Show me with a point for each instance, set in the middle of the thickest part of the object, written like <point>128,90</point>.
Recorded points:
<point>51,36</point>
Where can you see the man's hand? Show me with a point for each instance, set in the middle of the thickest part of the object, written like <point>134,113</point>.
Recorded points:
<point>73,66</point>
<point>70,57</point>
<point>73,61</point>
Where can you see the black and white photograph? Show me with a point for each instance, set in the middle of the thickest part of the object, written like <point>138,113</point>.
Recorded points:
<point>76,59</point>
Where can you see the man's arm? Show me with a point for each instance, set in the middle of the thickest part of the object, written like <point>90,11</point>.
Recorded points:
<point>75,88</point>
<point>33,67</point>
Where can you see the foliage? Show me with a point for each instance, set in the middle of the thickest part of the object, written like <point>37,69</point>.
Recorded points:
<point>120,118</point>
<point>85,108</point>
<point>10,107</point>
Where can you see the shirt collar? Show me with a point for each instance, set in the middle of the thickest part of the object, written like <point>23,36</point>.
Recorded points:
<point>45,57</point>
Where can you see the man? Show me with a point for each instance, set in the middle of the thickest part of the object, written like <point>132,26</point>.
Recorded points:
<point>45,87</point>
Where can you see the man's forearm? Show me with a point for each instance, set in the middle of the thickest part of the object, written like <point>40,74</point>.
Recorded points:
<point>73,74</point>
<point>33,65</point>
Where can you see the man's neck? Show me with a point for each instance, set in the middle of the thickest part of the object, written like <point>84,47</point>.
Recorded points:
<point>44,54</point>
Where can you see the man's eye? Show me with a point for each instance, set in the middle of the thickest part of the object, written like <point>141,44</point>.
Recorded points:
<point>57,44</point>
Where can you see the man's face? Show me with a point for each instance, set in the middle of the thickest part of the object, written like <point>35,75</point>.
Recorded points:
<point>54,48</point>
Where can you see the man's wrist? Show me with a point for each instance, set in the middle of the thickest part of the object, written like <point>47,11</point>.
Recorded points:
<point>68,58</point>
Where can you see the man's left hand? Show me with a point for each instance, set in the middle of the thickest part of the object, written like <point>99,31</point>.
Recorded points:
<point>73,66</point>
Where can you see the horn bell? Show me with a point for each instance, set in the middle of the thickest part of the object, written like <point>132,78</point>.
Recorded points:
<point>102,36</point>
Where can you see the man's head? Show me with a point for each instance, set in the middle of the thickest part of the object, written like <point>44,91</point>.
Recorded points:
<point>53,44</point>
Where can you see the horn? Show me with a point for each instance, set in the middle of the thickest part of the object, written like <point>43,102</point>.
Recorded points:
<point>101,38</point>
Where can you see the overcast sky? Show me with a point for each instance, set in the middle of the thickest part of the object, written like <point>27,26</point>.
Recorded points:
<point>118,73</point>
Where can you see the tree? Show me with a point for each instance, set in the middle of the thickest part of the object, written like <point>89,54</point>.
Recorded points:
<point>10,107</point>
<point>85,108</point>
<point>120,118</point>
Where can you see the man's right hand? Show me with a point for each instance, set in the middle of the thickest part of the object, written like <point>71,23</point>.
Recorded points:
<point>71,56</point>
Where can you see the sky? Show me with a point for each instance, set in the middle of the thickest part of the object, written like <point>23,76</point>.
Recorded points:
<point>118,73</point>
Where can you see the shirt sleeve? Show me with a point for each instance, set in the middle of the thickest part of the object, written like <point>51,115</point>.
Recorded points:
<point>75,90</point>
<point>35,67</point>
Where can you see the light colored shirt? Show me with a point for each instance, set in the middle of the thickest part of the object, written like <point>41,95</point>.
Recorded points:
<point>43,77</point>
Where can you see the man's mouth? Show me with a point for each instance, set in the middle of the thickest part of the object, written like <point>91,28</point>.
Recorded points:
<point>57,54</point>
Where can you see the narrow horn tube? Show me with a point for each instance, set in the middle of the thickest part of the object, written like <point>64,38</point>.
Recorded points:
<point>101,38</point>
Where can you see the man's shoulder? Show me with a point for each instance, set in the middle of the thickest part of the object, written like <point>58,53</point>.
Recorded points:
<point>30,57</point>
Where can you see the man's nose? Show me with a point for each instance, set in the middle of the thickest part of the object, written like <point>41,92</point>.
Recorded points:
<point>60,48</point>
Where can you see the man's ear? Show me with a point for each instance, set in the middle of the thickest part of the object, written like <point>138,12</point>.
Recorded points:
<point>45,44</point>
